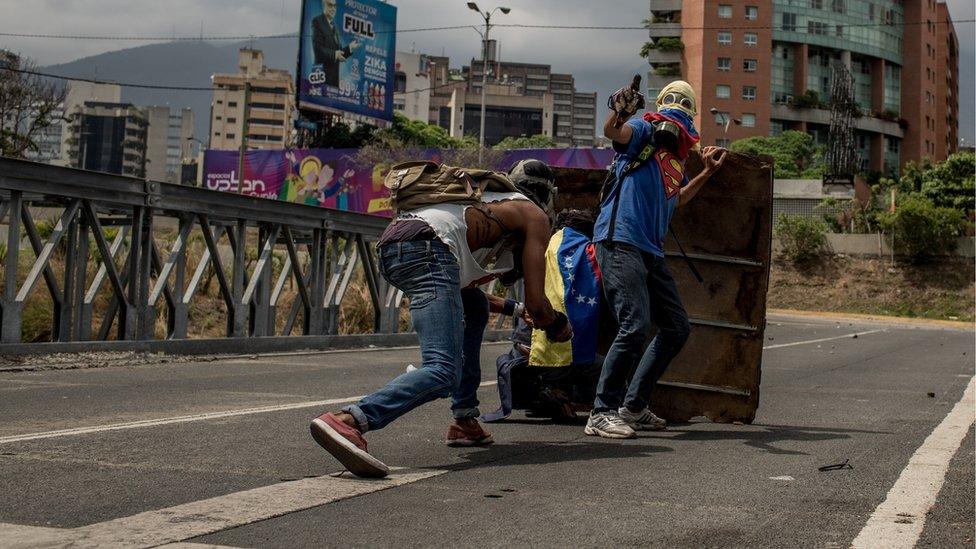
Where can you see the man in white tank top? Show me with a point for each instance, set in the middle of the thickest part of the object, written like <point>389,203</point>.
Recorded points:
<point>438,255</point>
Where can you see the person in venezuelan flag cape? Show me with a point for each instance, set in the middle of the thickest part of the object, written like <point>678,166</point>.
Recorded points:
<point>629,238</point>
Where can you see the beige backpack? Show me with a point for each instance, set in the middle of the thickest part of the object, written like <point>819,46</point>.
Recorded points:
<point>414,185</point>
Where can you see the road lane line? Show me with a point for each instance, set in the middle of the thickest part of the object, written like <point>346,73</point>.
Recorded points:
<point>186,419</point>
<point>899,520</point>
<point>285,407</point>
<point>198,518</point>
<point>821,340</point>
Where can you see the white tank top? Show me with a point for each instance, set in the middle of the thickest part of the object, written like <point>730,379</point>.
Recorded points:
<point>449,224</point>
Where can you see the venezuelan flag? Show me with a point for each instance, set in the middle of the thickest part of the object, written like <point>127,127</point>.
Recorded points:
<point>573,287</point>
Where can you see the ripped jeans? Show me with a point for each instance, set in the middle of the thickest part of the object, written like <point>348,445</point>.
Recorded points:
<point>450,324</point>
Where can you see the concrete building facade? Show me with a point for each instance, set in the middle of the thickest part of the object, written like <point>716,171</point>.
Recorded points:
<point>108,137</point>
<point>169,143</point>
<point>411,86</point>
<point>270,107</point>
<point>507,114</point>
<point>766,66</point>
<point>572,114</point>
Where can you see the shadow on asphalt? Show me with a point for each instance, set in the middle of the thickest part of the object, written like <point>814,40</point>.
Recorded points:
<point>766,438</point>
<point>542,453</point>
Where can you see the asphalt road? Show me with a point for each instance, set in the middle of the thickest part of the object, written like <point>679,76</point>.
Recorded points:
<point>162,453</point>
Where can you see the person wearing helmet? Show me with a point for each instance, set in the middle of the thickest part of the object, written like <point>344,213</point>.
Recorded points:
<point>629,237</point>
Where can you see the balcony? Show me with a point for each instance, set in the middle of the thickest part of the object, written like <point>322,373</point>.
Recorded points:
<point>664,30</point>
<point>665,5</point>
<point>822,116</point>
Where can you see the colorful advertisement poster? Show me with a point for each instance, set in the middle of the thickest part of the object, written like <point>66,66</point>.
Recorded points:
<point>346,57</point>
<point>331,178</point>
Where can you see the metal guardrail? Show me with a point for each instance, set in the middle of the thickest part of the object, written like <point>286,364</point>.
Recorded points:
<point>139,271</point>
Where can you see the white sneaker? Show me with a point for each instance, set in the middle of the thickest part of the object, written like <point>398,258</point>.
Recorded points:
<point>645,420</point>
<point>608,425</point>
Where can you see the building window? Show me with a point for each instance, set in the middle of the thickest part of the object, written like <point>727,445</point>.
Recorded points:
<point>724,143</point>
<point>723,92</point>
<point>724,11</point>
<point>724,63</point>
<point>232,104</point>
<point>230,136</point>
<point>724,38</point>
<point>789,21</point>
<point>749,93</point>
<point>750,65</point>
<point>721,118</point>
<point>748,120</point>
<point>838,6</point>
<point>751,39</point>
<point>817,27</point>
<point>752,13</point>
<point>816,4</point>
<point>399,82</point>
<point>231,120</point>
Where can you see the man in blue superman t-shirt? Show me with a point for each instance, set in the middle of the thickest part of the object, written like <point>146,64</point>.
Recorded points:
<point>629,237</point>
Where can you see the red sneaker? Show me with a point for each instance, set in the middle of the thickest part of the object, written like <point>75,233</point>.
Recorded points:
<point>468,433</point>
<point>346,444</point>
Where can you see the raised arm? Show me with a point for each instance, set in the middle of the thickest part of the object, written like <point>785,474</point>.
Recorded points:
<point>536,231</point>
<point>713,158</point>
<point>617,130</point>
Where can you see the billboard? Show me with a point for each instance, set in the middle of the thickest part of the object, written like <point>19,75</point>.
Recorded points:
<point>331,178</point>
<point>346,57</point>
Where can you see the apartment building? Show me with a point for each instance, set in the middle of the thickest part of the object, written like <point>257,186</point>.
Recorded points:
<point>411,86</point>
<point>107,137</point>
<point>169,143</point>
<point>572,114</point>
<point>766,66</point>
<point>269,105</point>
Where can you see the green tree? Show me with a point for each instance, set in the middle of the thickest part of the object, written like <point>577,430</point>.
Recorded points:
<point>523,142</point>
<point>922,229</point>
<point>949,183</point>
<point>795,154</point>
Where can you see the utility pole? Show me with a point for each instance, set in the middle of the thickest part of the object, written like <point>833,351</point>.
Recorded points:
<point>484,70</point>
<point>244,130</point>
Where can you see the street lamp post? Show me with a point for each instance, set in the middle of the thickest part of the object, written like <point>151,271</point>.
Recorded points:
<point>484,69</point>
<point>728,120</point>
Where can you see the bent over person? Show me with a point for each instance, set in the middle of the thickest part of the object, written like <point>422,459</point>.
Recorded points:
<point>437,255</point>
<point>629,237</point>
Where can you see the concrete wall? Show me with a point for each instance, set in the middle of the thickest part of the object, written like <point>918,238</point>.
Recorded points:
<point>876,245</point>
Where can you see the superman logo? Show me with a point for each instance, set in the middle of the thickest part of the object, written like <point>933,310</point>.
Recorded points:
<point>672,172</point>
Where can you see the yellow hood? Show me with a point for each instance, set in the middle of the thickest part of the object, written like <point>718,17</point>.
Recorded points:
<point>683,88</point>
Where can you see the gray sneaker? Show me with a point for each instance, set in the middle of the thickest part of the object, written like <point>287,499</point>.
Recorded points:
<point>608,425</point>
<point>645,420</point>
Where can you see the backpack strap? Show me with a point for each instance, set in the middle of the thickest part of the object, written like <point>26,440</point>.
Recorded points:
<point>646,153</point>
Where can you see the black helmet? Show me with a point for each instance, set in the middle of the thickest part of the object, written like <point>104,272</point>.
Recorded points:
<point>535,179</point>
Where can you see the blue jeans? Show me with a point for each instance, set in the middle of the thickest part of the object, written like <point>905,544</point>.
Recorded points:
<point>450,324</point>
<point>640,290</point>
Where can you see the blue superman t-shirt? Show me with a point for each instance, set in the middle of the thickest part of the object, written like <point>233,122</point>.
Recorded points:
<point>648,195</point>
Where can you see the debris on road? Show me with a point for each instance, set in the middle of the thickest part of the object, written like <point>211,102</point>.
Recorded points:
<point>836,466</point>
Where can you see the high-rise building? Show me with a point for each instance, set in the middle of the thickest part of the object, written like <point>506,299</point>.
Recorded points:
<point>572,114</point>
<point>169,143</point>
<point>270,106</point>
<point>766,66</point>
<point>77,94</point>
<point>411,86</point>
<point>507,114</point>
<point>107,137</point>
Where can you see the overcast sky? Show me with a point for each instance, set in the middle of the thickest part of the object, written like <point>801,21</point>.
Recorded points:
<point>601,60</point>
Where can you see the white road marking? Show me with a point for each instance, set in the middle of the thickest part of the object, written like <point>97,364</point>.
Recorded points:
<point>186,419</point>
<point>280,407</point>
<point>784,477</point>
<point>198,518</point>
<point>898,521</point>
<point>821,340</point>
